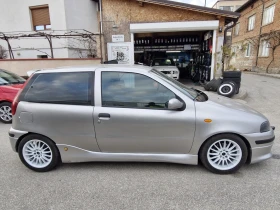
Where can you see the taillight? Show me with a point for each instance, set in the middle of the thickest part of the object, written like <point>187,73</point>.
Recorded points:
<point>16,99</point>
<point>15,102</point>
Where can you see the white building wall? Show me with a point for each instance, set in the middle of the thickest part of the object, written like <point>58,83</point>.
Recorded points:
<point>15,15</point>
<point>81,14</point>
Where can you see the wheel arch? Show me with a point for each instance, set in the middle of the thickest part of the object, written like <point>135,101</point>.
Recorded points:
<point>3,101</point>
<point>248,146</point>
<point>30,133</point>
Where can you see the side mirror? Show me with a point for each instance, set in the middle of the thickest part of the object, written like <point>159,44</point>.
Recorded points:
<point>174,104</point>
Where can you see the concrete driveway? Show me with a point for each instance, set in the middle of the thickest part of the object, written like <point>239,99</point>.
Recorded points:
<point>148,185</point>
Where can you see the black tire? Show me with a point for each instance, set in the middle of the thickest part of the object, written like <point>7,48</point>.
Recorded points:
<point>237,90</point>
<point>6,116</point>
<point>232,74</point>
<point>55,160</point>
<point>227,89</point>
<point>203,155</point>
<point>213,85</point>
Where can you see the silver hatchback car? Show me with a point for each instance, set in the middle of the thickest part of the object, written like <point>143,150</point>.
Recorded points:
<point>128,113</point>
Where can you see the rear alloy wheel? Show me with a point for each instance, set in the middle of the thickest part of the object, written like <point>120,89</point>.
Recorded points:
<point>224,154</point>
<point>38,153</point>
<point>6,113</point>
<point>227,89</point>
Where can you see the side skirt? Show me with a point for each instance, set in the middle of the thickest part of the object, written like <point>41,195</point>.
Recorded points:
<point>75,154</point>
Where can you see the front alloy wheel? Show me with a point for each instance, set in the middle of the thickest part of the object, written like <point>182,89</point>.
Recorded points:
<point>224,154</point>
<point>6,112</point>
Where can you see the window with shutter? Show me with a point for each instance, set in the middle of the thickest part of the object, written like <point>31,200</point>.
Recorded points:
<point>41,18</point>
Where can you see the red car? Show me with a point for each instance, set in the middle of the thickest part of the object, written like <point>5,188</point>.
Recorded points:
<point>10,84</point>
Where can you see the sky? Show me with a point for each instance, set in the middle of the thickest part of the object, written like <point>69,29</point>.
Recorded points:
<point>209,3</point>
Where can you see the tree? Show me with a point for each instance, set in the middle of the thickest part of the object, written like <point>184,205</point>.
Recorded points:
<point>83,47</point>
<point>273,40</point>
<point>3,52</point>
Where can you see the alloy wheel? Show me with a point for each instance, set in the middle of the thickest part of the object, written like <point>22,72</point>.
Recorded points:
<point>224,154</point>
<point>6,113</point>
<point>37,153</point>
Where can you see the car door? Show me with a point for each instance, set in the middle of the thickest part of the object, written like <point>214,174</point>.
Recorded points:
<point>130,114</point>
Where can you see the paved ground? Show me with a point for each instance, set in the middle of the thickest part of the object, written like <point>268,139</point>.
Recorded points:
<point>148,185</point>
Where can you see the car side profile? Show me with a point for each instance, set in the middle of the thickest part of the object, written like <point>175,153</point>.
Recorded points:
<point>131,113</point>
<point>10,84</point>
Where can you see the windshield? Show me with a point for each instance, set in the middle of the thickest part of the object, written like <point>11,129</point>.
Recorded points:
<point>7,78</point>
<point>163,62</point>
<point>179,86</point>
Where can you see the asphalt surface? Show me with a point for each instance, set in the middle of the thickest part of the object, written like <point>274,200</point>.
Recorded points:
<point>148,185</point>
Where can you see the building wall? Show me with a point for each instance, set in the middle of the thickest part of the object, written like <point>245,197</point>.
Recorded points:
<point>22,66</point>
<point>236,4</point>
<point>15,15</point>
<point>245,36</point>
<point>81,14</point>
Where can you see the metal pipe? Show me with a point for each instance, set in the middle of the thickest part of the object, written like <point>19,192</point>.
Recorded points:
<point>100,30</point>
<point>258,46</point>
<point>227,28</point>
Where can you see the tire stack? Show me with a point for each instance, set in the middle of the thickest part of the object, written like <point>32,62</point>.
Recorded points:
<point>231,83</point>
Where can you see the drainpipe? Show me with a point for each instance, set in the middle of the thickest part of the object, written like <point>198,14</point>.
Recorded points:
<point>227,28</point>
<point>225,36</point>
<point>100,29</point>
<point>258,47</point>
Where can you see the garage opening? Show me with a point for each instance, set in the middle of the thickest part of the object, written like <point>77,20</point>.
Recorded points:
<point>188,51</point>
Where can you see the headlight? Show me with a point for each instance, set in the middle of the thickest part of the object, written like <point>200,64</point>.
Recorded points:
<point>265,126</point>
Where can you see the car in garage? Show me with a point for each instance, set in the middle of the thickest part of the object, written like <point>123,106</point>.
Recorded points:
<point>131,113</point>
<point>10,84</point>
<point>166,66</point>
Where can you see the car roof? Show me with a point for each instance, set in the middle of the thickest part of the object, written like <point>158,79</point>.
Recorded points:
<point>136,68</point>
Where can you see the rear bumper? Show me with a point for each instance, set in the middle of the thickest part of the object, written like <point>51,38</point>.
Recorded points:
<point>261,144</point>
<point>14,135</point>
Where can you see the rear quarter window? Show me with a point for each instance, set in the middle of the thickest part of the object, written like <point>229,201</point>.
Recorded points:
<point>61,88</point>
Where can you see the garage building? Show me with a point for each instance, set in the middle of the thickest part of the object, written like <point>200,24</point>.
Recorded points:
<point>139,31</point>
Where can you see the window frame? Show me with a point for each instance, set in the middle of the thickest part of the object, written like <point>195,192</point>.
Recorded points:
<point>91,92</point>
<point>265,15</point>
<point>252,24</point>
<point>248,50</point>
<point>31,9</point>
<point>147,108</point>
<point>236,32</point>
<point>264,49</point>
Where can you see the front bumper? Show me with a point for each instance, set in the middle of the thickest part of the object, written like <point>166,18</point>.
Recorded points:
<point>261,144</point>
<point>14,135</point>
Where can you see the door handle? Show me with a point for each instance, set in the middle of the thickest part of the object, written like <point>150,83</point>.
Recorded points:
<point>104,116</point>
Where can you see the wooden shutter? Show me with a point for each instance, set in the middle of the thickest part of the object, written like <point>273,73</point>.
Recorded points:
<point>41,16</point>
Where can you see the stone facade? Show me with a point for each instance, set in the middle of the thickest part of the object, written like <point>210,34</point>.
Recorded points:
<point>254,61</point>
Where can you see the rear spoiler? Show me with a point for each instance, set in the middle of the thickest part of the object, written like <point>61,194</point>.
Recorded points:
<point>29,73</point>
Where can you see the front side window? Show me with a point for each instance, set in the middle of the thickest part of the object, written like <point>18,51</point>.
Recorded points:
<point>40,18</point>
<point>61,88</point>
<point>268,15</point>
<point>132,90</point>
<point>251,22</point>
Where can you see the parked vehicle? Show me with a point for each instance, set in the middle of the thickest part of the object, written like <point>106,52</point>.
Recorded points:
<point>131,113</point>
<point>166,66</point>
<point>10,84</point>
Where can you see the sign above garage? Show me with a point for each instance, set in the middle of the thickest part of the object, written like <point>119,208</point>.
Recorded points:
<point>118,38</point>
